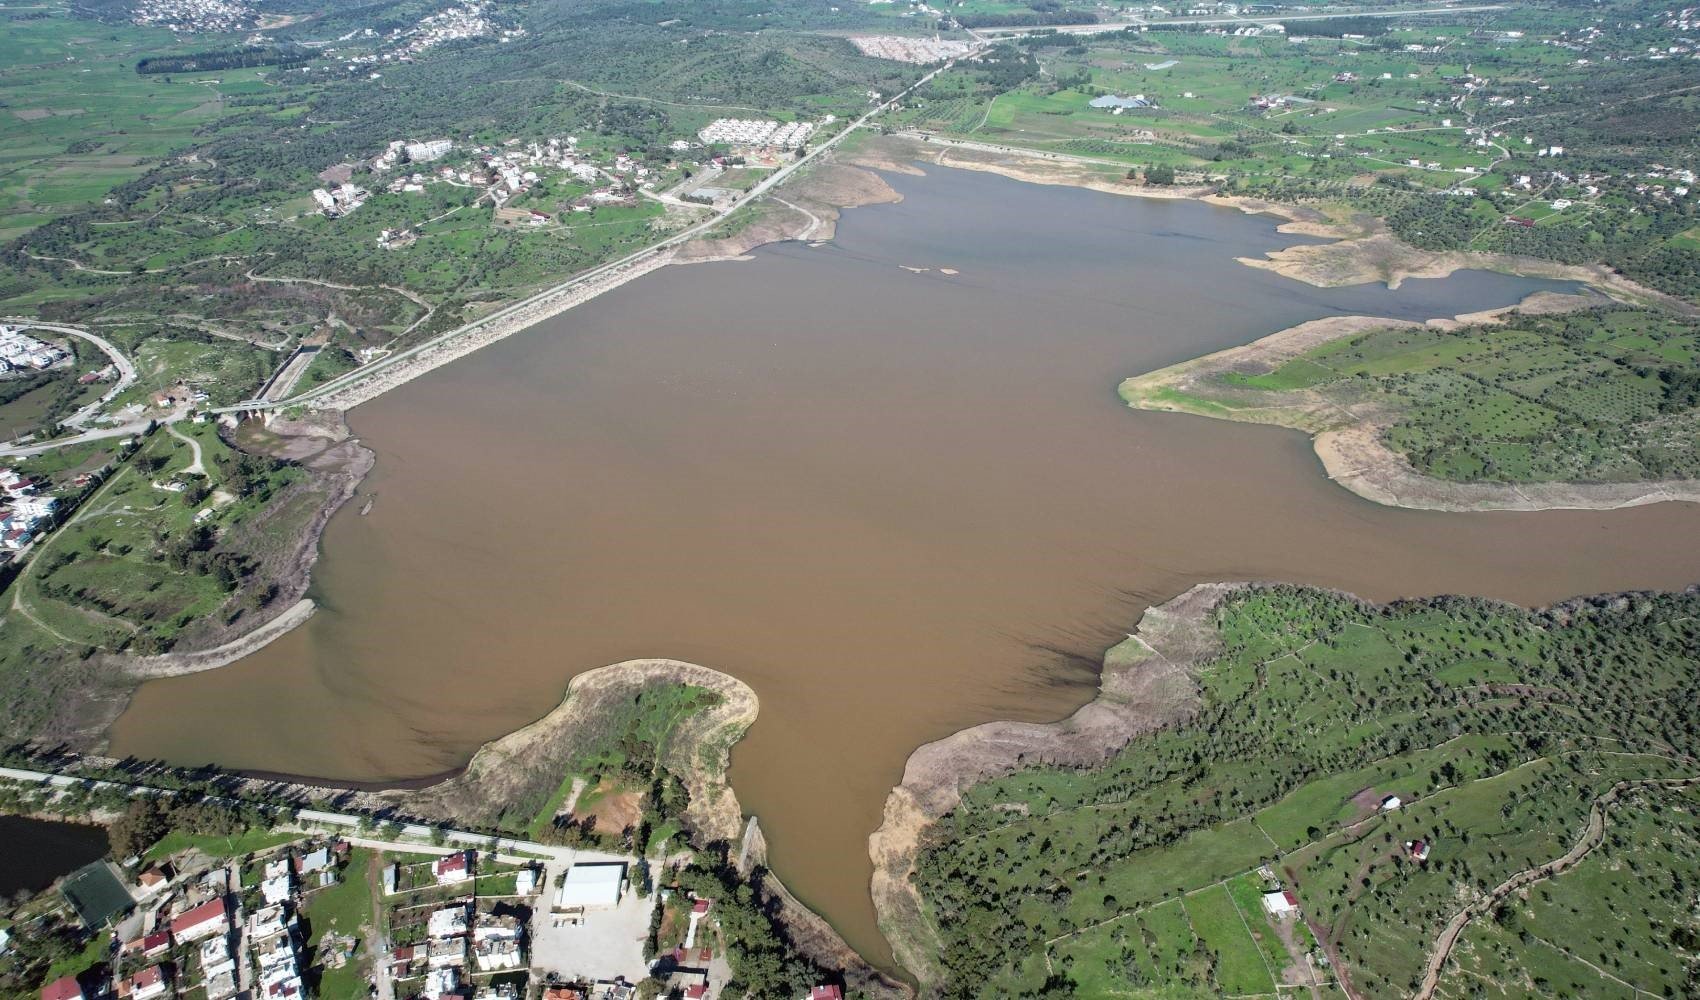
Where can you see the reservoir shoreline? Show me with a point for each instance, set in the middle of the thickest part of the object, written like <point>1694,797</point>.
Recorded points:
<point>1148,683</point>
<point>661,405</point>
<point>1358,252</point>
<point>1352,446</point>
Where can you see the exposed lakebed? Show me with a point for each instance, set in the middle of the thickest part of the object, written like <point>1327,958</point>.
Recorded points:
<point>895,502</point>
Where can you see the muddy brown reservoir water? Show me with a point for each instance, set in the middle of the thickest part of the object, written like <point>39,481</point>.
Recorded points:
<point>895,503</point>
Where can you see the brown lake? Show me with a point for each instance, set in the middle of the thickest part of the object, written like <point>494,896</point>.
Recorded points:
<point>895,503</point>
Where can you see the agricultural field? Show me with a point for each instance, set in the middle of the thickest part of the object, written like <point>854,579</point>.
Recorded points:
<point>1461,131</point>
<point>1604,395</point>
<point>73,132</point>
<point>1387,766</point>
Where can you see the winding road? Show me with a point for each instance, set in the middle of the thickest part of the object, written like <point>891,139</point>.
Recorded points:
<point>79,420</point>
<point>1593,834</point>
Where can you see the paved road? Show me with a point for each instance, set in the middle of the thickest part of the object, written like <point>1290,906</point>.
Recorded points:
<point>126,376</point>
<point>122,430</point>
<point>415,837</point>
<point>1102,26</point>
<point>778,177</point>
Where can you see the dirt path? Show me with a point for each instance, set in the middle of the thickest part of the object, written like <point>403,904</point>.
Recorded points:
<point>377,949</point>
<point>195,467</point>
<point>1593,835</point>
<point>25,574</point>
<point>814,220</point>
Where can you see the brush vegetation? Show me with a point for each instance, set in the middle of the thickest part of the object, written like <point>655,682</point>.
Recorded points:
<point>1500,729</point>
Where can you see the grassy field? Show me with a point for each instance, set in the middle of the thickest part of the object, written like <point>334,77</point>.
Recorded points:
<point>1147,874</point>
<point>218,846</point>
<point>1608,395</point>
<point>78,120</point>
<point>345,908</point>
<point>137,565</point>
<point>1553,938</point>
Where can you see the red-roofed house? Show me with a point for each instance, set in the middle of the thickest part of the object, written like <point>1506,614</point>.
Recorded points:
<point>151,946</point>
<point>826,993</point>
<point>205,920</point>
<point>148,984</point>
<point>456,867</point>
<point>63,989</point>
<point>696,992</point>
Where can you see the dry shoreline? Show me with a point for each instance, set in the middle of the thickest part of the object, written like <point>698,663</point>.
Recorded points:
<point>1361,249</point>
<point>338,463</point>
<point>1147,682</point>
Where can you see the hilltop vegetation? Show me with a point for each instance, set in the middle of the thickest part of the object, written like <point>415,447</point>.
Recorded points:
<point>180,541</point>
<point>1501,730</point>
<point>1606,395</point>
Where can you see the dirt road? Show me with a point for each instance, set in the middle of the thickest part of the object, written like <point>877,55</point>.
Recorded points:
<point>1592,835</point>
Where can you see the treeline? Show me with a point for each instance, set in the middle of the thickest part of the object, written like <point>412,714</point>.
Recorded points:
<point>765,963</point>
<point>1339,27</point>
<point>206,62</point>
<point>147,821</point>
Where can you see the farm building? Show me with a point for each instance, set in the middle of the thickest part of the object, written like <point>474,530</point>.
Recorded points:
<point>591,885</point>
<point>1280,903</point>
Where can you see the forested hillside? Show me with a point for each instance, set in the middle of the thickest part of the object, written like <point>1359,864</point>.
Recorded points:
<point>1389,766</point>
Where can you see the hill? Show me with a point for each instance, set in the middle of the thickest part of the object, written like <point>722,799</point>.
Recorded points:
<point>1499,795</point>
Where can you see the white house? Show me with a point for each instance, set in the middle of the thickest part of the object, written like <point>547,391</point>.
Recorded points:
<point>449,921</point>
<point>275,890</point>
<point>316,861</point>
<point>1280,903</point>
<point>1391,803</point>
<point>215,958</point>
<point>495,956</point>
<point>439,982</point>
